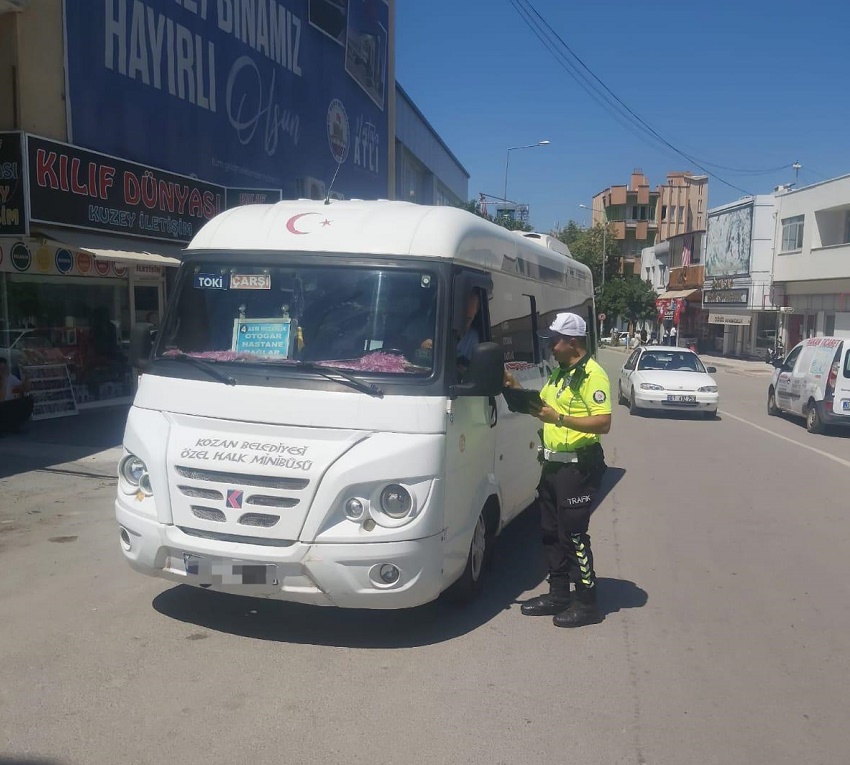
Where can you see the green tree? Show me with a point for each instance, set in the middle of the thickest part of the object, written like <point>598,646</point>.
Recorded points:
<point>474,206</point>
<point>629,296</point>
<point>586,246</point>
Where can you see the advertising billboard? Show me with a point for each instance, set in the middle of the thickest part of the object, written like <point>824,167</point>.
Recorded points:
<point>77,188</point>
<point>266,94</point>
<point>728,242</point>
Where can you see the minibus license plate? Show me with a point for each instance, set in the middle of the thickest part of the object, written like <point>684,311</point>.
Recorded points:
<point>682,399</point>
<point>845,405</point>
<point>221,572</point>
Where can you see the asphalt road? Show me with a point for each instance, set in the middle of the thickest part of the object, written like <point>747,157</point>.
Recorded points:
<point>722,554</point>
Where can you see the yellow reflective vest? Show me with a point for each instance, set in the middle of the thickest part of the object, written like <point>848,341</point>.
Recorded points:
<point>580,391</point>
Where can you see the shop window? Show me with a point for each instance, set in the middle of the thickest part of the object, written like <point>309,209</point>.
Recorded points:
<point>829,325</point>
<point>83,323</point>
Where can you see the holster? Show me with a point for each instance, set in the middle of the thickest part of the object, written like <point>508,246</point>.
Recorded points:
<point>591,463</point>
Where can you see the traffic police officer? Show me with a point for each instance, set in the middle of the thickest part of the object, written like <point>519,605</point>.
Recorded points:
<point>576,411</point>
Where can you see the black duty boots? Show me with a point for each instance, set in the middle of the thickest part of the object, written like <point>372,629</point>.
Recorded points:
<point>553,602</point>
<point>581,611</point>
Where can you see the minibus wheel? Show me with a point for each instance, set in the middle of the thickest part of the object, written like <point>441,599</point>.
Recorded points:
<point>480,556</point>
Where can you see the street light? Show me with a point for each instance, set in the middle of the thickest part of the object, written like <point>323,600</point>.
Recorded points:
<point>508,159</point>
<point>604,238</point>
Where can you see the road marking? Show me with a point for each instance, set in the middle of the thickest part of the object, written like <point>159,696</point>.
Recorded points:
<point>821,452</point>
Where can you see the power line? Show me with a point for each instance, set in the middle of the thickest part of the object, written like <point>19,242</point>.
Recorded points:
<point>577,75</point>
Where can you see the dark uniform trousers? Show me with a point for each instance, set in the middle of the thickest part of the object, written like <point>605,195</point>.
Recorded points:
<point>565,496</point>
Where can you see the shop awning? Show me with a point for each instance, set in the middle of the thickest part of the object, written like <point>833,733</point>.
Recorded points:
<point>124,250</point>
<point>677,294</point>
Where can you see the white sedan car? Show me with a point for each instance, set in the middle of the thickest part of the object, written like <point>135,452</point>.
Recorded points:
<point>664,378</point>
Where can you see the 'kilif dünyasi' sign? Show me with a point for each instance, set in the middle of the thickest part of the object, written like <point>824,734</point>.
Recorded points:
<point>12,198</point>
<point>75,187</point>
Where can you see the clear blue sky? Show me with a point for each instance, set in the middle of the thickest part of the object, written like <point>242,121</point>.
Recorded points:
<point>749,84</point>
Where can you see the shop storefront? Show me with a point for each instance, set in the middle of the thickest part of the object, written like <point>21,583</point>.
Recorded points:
<point>681,307</point>
<point>89,246</point>
<point>86,246</point>
<point>72,311</point>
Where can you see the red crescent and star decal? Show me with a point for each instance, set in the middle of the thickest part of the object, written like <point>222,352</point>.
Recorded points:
<point>291,227</point>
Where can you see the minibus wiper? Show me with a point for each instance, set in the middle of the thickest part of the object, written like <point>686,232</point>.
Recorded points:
<point>206,366</point>
<point>341,376</point>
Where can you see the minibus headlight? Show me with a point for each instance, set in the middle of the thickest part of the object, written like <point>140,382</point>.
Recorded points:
<point>396,501</point>
<point>132,469</point>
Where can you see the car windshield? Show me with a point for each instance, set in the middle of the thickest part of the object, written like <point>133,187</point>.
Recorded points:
<point>676,361</point>
<point>364,319</point>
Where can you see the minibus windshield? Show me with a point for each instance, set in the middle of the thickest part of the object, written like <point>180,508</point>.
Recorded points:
<point>367,320</point>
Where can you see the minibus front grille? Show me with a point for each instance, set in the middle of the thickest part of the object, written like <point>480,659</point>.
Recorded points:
<point>237,538</point>
<point>262,500</point>
<point>208,514</point>
<point>262,481</point>
<point>199,493</point>
<point>263,520</point>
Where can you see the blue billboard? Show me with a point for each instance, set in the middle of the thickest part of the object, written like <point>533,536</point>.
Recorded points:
<point>270,94</point>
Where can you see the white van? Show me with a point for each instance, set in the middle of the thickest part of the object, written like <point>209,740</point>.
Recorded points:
<point>303,429</point>
<point>813,381</point>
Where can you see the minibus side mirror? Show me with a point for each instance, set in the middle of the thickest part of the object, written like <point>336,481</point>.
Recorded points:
<point>141,344</point>
<point>486,373</point>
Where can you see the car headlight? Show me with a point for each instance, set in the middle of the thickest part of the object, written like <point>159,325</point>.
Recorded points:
<point>396,501</point>
<point>707,389</point>
<point>651,386</point>
<point>132,469</point>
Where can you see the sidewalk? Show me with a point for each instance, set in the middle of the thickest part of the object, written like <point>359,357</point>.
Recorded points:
<point>745,367</point>
<point>87,442</point>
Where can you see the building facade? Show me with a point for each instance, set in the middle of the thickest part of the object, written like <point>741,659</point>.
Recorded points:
<point>427,172</point>
<point>682,204</point>
<point>631,210</point>
<point>117,147</point>
<point>738,290</point>
<point>811,267</point>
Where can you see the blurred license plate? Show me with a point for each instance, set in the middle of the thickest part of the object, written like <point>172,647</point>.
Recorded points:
<point>845,405</point>
<point>682,399</point>
<point>211,571</point>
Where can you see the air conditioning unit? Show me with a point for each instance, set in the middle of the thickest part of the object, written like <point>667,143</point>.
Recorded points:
<point>309,188</point>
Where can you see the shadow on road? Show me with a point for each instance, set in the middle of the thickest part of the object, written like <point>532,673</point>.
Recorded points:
<point>26,761</point>
<point>618,594</point>
<point>518,569</point>
<point>63,439</point>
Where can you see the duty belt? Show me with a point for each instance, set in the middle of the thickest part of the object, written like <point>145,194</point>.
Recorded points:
<point>552,456</point>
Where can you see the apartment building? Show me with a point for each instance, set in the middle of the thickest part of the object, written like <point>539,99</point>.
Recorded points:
<point>811,265</point>
<point>682,203</point>
<point>632,212</point>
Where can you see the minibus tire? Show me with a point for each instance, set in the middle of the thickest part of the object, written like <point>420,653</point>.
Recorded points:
<point>468,587</point>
